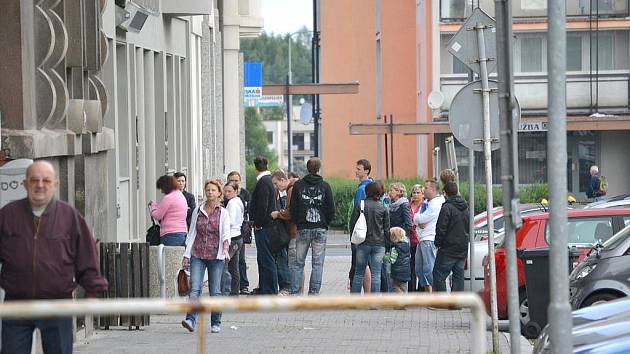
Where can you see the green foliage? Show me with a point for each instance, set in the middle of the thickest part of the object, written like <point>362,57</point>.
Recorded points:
<point>256,137</point>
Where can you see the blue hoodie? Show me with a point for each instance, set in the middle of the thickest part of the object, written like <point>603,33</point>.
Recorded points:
<point>359,195</point>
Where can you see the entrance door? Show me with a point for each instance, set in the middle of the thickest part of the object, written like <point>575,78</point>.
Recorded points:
<point>583,152</point>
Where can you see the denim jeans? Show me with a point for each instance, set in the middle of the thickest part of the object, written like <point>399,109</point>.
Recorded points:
<point>242,268</point>
<point>444,265</point>
<point>372,256</point>
<point>230,281</point>
<point>315,239</point>
<point>284,274</point>
<point>17,335</point>
<point>386,278</point>
<point>267,268</point>
<point>174,239</point>
<point>198,268</point>
<point>425,259</point>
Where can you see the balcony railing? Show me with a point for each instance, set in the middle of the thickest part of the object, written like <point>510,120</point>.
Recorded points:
<point>610,92</point>
<point>459,10</point>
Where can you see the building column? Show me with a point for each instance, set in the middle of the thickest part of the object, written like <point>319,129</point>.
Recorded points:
<point>231,87</point>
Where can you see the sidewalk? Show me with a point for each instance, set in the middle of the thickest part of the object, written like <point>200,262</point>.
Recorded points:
<point>390,331</point>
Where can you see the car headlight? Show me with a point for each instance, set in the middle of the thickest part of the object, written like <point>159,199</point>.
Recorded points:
<point>584,271</point>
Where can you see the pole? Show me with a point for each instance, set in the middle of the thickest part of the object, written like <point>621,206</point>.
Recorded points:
<point>315,73</point>
<point>509,178</point>
<point>391,141</point>
<point>379,73</point>
<point>487,150</point>
<point>289,109</point>
<point>471,215</point>
<point>559,310</point>
<point>386,153</point>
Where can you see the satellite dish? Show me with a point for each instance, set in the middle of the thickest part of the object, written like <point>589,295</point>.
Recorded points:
<point>306,113</point>
<point>435,99</point>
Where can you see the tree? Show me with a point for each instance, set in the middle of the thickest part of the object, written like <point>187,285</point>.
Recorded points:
<point>256,138</point>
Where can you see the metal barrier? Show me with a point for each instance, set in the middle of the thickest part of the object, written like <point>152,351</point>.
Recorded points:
<point>59,308</point>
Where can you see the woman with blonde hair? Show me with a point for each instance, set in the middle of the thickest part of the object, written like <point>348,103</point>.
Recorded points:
<point>207,247</point>
<point>417,204</point>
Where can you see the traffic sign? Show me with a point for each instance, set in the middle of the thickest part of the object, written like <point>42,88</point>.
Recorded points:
<point>463,45</point>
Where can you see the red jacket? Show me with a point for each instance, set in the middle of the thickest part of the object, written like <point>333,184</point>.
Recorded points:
<point>42,257</point>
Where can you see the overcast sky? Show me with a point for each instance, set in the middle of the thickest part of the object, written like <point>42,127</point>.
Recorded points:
<point>283,16</point>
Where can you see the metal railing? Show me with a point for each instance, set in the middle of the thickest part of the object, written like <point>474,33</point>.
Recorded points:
<point>66,308</point>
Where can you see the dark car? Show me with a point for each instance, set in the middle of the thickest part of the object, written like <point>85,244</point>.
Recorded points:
<point>604,328</point>
<point>604,275</point>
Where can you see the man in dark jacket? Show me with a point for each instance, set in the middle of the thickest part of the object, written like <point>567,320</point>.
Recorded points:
<point>312,210</point>
<point>46,247</point>
<point>451,240</point>
<point>190,198</point>
<point>263,202</point>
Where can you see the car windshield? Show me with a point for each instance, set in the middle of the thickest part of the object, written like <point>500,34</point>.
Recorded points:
<point>616,240</point>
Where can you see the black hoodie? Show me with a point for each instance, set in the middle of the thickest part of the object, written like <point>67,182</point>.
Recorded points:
<point>312,205</point>
<point>451,231</point>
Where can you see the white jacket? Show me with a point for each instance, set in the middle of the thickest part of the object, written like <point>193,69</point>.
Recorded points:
<point>236,210</point>
<point>429,218</point>
<point>224,230</point>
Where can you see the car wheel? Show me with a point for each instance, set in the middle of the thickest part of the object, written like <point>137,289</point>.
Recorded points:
<point>597,299</point>
<point>523,308</point>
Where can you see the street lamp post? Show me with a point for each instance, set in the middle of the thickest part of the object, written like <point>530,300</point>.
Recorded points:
<point>290,107</point>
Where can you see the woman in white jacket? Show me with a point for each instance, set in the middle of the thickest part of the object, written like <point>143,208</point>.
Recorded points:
<point>230,284</point>
<point>207,247</point>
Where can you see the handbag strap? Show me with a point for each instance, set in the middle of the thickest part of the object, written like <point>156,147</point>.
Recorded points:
<point>362,205</point>
<point>151,216</point>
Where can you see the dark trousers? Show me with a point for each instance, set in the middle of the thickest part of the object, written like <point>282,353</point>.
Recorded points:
<point>413,283</point>
<point>242,268</point>
<point>230,280</point>
<point>17,336</point>
<point>267,268</point>
<point>443,266</point>
<point>282,263</point>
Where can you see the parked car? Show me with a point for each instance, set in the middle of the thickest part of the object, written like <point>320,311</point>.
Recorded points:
<point>619,201</point>
<point>604,275</point>
<point>604,328</point>
<point>585,228</point>
<point>480,246</point>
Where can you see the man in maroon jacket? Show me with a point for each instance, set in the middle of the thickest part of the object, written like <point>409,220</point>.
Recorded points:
<point>45,246</point>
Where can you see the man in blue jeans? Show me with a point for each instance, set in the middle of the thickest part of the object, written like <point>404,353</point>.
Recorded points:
<point>312,210</point>
<point>451,240</point>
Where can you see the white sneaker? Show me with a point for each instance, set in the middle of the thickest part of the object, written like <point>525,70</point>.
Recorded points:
<point>215,329</point>
<point>188,325</point>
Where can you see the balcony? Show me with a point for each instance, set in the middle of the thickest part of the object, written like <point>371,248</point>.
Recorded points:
<point>531,91</point>
<point>459,10</point>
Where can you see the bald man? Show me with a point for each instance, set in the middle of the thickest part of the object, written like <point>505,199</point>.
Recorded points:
<point>45,246</point>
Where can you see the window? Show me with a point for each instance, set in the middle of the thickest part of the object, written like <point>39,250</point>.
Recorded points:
<point>298,141</point>
<point>602,55</point>
<point>269,137</point>
<point>586,231</point>
<point>574,53</point>
<point>531,54</point>
<point>626,221</point>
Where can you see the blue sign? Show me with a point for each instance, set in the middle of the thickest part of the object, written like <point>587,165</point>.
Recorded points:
<point>253,74</point>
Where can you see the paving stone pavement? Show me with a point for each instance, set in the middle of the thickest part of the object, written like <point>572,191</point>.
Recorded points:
<point>371,331</point>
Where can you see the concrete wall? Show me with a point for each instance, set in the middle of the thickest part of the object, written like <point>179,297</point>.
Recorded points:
<point>614,161</point>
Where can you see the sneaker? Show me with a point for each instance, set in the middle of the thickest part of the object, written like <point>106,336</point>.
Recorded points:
<point>245,291</point>
<point>284,292</point>
<point>188,325</point>
<point>215,329</point>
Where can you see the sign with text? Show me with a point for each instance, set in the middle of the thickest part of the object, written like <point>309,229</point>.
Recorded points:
<point>252,81</point>
<point>12,175</point>
<point>532,126</point>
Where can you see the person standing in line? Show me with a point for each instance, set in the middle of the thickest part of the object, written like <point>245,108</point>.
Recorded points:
<point>417,205</point>
<point>447,175</point>
<point>235,177</point>
<point>399,258</point>
<point>190,198</point>
<point>451,240</point>
<point>313,208</point>
<point>362,172</point>
<point>426,221</point>
<point>230,282</point>
<point>263,202</point>
<point>207,248</point>
<point>371,251</point>
<point>170,212</point>
<point>281,183</point>
<point>293,177</point>
<point>46,249</point>
<point>399,216</point>
<point>594,191</point>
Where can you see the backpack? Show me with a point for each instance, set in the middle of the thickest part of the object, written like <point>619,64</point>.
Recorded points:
<point>603,186</point>
<point>359,232</point>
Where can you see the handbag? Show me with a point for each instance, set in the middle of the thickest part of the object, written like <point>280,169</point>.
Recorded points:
<point>246,231</point>
<point>279,237</point>
<point>359,232</point>
<point>153,233</point>
<point>183,286</point>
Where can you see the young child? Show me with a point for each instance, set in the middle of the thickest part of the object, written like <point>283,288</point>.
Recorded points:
<point>399,258</point>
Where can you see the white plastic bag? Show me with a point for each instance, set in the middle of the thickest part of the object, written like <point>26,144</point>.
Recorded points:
<point>360,228</point>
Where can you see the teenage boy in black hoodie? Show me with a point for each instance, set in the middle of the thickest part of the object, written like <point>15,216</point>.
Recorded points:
<point>312,210</point>
<point>451,240</point>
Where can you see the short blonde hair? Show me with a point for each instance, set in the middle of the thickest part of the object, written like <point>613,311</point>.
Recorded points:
<point>402,190</point>
<point>215,182</point>
<point>397,234</point>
